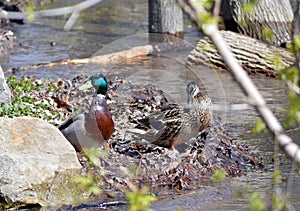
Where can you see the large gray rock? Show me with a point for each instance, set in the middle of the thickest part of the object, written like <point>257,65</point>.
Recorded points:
<point>5,93</point>
<point>36,163</point>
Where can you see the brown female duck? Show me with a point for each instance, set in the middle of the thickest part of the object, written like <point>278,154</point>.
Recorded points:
<point>163,127</point>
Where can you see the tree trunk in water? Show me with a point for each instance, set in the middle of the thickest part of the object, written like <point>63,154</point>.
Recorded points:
<point>165,17</point>
<point>296,28</point>
<point>268,14</point>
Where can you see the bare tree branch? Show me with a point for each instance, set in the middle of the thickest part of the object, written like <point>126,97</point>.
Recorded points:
<point>72,20</point>
<point>74,10</point>
<point>291,149</point>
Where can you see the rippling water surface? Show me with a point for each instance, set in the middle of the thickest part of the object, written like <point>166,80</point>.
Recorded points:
<point>119,22</point>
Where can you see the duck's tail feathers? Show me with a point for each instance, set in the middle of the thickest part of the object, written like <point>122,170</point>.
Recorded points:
<point>70,121</point>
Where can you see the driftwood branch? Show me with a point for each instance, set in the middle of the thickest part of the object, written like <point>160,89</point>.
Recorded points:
<point>112,58</point>
<point>74,10</point>
<point>291,149</point>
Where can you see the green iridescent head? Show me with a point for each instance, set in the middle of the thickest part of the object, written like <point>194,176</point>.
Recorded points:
<point>99,82</point>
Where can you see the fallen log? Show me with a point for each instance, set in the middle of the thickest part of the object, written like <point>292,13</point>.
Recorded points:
<point>253,55</point>
<point>112,58</point>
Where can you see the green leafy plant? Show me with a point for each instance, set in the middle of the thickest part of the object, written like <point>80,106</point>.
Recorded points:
<point>259,126</point>
<point>248,7</point>
<point>268,35</point>
<point>207,4</point>
<point>294,46</point>
<point>291,75</point>
<point>279,200</point>
<point>139,199</point>
<point>218,175</point>
<point>31,6</point>
<point>92,180</point>
<point>256,202</point>
<point>26,100</point>
<point>93,155</point>
<point>278,203</point>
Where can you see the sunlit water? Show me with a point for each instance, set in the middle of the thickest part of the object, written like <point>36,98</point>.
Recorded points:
<point>115,20</point>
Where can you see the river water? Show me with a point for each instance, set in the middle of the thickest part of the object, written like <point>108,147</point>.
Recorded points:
<point>113,26</point>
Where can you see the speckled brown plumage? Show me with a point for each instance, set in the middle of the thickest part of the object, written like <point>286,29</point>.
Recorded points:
<point>201,106</point>
<point>163,127</point>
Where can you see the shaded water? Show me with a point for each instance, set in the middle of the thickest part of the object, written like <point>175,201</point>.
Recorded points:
<point>112,20</point>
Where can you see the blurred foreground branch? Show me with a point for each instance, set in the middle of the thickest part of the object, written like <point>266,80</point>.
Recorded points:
<point>74,10</point>
<point>210,28</point>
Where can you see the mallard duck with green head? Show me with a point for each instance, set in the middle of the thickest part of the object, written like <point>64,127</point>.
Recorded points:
<point>95,127</point>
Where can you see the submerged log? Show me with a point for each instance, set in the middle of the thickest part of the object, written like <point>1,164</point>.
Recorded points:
<point>112,58</point>
<point>254,55</point>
